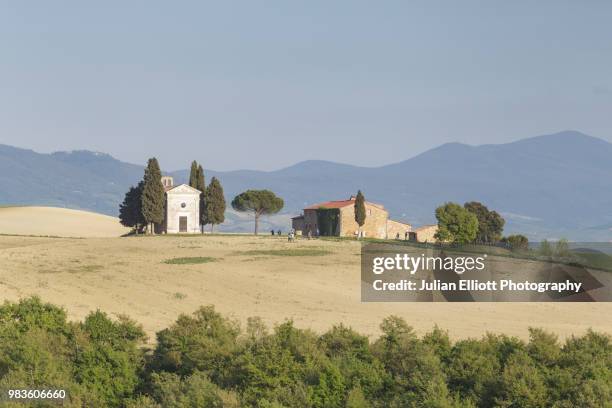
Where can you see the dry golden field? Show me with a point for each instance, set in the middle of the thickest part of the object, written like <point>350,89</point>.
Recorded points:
<point>53,221</point>
<point>130,276</point>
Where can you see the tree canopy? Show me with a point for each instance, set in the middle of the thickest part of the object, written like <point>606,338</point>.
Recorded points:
<point>490,223</point>
<point>360,210</point>
<point>214,204</point>
<point>200,184</point>
<point>205,359</point>
<point>130,211</point>
<point>259,202</point>
<point>456,224</point>
<point>193,174</point>
<point>516,242</point>
<point>153,195</point>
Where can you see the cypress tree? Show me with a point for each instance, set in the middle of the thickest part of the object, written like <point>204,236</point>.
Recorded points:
<point>130,211</point>
<point>201,185</point>
<point>153,195</point>
<point>193,175</point>
<point>360,210</point>
<point>214,209</point>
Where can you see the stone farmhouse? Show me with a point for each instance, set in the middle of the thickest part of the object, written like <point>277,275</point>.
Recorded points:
<point>377,223</point>
<point>182,214</point>
<point>424,233</point>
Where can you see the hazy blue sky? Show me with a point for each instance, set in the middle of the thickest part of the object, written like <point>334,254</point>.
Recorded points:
<point>266,84</point>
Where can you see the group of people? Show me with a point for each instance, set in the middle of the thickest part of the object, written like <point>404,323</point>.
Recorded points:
<point>290,235</point>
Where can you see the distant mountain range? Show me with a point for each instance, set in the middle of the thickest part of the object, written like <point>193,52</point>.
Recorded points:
<point>548,186</point>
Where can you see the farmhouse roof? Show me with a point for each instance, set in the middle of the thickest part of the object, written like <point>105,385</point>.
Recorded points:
<point>424,227</point>
<point>340,204</point>
<point>401,222</point>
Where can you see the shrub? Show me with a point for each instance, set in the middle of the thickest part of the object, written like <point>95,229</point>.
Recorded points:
<point>516,242</point>
<point>522,384</point>
<point>108,360</point>
<point>196,390</point>
<point>204,341</point>
<point>206,360</point>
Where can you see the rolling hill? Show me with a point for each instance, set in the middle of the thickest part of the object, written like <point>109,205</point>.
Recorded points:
<point>58,222</point>
<point>550,186</point>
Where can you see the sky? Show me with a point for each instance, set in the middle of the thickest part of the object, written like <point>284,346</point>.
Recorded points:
<point>263,85</point>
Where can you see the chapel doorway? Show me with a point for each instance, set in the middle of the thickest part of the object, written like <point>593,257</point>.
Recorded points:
<point>182,224</point>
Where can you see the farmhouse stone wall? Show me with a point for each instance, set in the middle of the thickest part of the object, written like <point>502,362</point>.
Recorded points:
<point>396,227</point>
<point>375,224</point>
<point>424,234</point>
<point>310,222</point>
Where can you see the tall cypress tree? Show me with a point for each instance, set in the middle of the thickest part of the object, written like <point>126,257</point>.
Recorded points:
<point>360,210</point>
<point>153,195</point>
<point>214,212</point>
<point>201,185</point>
<point>193,174</point>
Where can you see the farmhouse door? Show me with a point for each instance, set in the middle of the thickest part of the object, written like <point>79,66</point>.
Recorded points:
<point>182,224</point>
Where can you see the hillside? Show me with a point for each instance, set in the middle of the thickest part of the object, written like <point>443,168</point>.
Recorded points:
<point>546,187</point>
<point>59,222</point>
<point>80,179</point>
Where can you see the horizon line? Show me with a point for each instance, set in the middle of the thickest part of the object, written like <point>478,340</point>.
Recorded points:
<point>96,152</point>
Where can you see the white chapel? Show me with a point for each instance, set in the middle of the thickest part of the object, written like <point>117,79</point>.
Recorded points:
<point>182,208</point>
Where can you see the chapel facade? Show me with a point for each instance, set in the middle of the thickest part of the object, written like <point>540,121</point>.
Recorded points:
<point>182,211</point>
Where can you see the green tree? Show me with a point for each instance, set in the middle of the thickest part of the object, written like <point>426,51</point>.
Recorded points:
<point>214,208</point>
<point>360,210</point>
<point>98,362</point>
<point>153,195</point>
<point>356,399</point>
<point>473,371</point>
<point>490,223</point>
<point>516,242</point>
<point>197,181</point>
<point>204,341</point>
<point>130,211</point>
<point>543,347</point>
<point>583,373</point>
<point>193,175</point>
<point>205,360</point>
<point>456,224</point>
<point>522,384</point>
<point>562,249</point>
<point>545,249</point>
<point>439,342</point>
<point>259,202</point>
<point>416,373</point>
<point>363,373</point>
<point>196,390</point>
<point>201,185</point>
<point>108,357</point>
<point>329,389</point>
